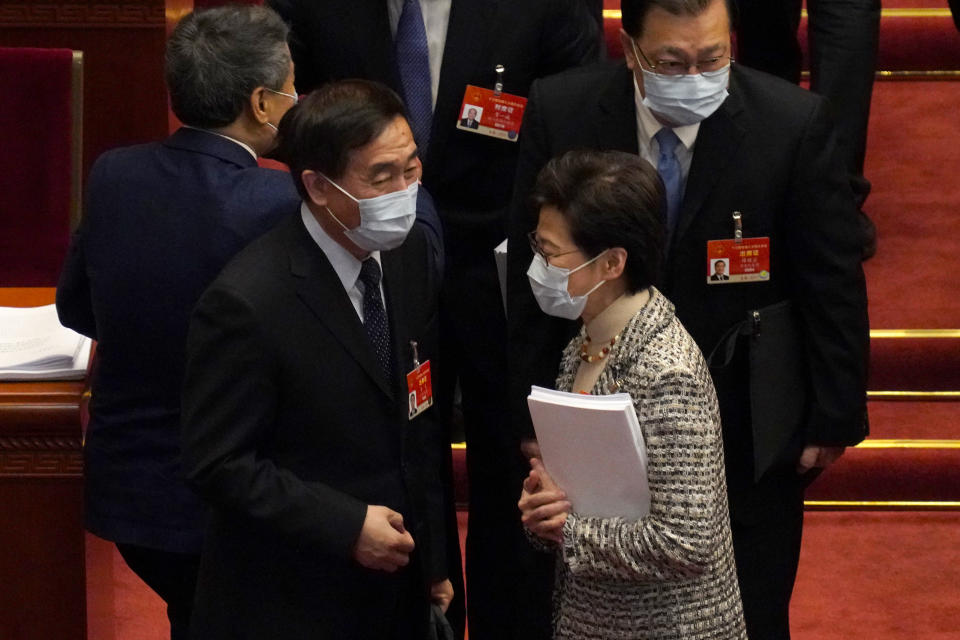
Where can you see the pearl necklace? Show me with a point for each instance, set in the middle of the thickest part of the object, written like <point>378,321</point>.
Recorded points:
<point>603,352</point>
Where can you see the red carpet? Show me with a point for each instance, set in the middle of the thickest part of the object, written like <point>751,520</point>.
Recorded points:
<point>878,576</point>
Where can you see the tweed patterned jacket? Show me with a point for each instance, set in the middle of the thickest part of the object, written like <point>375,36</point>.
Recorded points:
<point>671,574</point>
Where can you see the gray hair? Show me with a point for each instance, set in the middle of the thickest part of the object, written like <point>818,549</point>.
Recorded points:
<point>217,57</point>
<point>634,12</point>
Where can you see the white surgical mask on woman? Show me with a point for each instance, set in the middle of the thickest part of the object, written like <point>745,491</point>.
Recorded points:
<point>684,99</point>
<point>385,220</point>
<point>549,284</point>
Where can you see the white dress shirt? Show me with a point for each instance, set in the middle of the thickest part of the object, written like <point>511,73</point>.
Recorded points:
<point>343,262</point>
<point>648,126</point>
<point>436,17</point>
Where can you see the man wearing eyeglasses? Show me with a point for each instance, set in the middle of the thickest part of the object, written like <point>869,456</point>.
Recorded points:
<point>750,170</point>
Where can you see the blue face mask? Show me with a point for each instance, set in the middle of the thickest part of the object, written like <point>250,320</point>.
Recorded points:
<point>684,99</point>
<point>549,284</point>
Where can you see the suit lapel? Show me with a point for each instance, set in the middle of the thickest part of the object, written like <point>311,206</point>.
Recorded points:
<point>319,287</point>
<point>464,49</point>
<point>719,138</point>
<point>617,125</point>
<point>393,286</point>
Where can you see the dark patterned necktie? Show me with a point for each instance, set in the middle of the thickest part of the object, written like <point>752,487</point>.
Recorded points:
<point>375,316</point>
<point>413,62</point>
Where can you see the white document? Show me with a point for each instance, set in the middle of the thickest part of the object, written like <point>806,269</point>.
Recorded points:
<point>593,448</point>
<point>500,257</point>
<point>35,346</point>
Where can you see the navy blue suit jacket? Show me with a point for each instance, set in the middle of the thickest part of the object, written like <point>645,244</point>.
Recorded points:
<point>161,220</point>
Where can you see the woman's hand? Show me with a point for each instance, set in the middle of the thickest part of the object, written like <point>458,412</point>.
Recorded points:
<point>543,505</point>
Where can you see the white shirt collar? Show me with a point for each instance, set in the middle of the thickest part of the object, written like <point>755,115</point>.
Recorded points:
<point>234,140</point>
<point>648,126</point>
<point>344,263</point>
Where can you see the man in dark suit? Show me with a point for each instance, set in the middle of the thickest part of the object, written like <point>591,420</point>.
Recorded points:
<point>160,221</point>
<point>471,177</point>
<point>843,37</point>
<point>765,150</point>
<point>327,503</point>
<point>471,120</point>
<point>719,271</point>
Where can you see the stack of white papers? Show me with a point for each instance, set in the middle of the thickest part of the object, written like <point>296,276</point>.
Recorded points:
<point>35,346</point>
<point>593,448</point>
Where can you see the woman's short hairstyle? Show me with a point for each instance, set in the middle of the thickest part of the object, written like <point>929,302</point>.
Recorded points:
<point>609,199</point>
<point>634,12</point>
<point>330,123</point>
<point>216,58</point>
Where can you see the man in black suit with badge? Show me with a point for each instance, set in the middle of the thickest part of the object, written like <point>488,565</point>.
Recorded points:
<point>327,513</point>
<point>429,52</point>
<point>745,158</point>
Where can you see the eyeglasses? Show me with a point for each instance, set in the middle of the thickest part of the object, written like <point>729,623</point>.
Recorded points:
<point>536,247</point>
<point>292,96</point>
<point>680,67</point>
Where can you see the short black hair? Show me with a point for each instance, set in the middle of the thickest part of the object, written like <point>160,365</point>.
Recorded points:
<point>634,12</point>
<point>330,123</point>
<point>216,57</point>
<point>609,199</point>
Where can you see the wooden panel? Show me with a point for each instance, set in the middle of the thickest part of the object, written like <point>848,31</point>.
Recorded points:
<point>125,98</point>
<point>41,498</point>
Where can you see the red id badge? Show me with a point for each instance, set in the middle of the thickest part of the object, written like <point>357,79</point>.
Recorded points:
<point>489,114</point>
<point>729,261</point>
<point>419,390</point>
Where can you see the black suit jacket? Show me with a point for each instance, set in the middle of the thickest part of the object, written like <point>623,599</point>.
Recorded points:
<point>291,429</point>
<point>160,221</point>
<point>469,175</point>
<point>768,152</point>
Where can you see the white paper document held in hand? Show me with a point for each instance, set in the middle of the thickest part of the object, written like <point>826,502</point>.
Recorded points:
<point>593,448</point>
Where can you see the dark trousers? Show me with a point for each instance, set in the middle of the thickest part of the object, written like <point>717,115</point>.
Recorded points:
<point>843,40</point>
<point>766,544</point>
<point>173,576</point>
<point>473,343</point>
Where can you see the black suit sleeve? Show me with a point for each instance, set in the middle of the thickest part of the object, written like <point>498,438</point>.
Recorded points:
<point>300,41</point>
<point>535,340</point>
<point>571,37</point>
<point>823,243</point>
<point>229,409</point>
<point>429,221</point>
<point>74,306</point>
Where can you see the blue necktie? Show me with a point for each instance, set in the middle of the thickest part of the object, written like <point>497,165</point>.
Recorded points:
<point>375,316</point>
<point>669,169</point>
<point>413,62</point>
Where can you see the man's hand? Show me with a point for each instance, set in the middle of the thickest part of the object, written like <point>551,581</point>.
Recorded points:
<point>543,505</point>
<point>441,593</point>
<point>816,456</point>
<point>383,544</point>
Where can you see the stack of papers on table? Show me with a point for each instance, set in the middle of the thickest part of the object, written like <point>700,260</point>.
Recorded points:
<point>593,448</point>
<point>35,346</point>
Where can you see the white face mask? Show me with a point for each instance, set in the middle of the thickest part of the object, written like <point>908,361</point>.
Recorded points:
<point>686,99</point>
<point>549,284</point>
<point>385,220</point>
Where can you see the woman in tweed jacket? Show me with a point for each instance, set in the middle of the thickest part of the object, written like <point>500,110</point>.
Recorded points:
<point>671,574</point>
